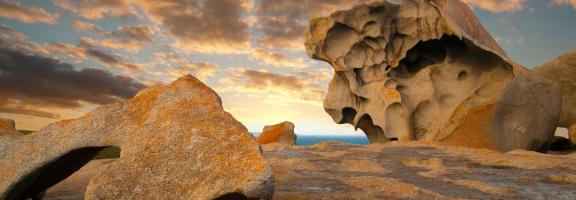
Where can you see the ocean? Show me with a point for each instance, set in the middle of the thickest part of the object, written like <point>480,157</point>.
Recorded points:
<point>314,139</point>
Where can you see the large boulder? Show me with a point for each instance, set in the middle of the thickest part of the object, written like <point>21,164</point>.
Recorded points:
<point>176,143</point>
<point>280,133</point>
<point>562,71</point>
<point>427,70</point>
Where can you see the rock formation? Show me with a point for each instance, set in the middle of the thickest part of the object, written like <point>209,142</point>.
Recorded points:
<point>427,70</point>
<point>563,72</point>
<point>7,125</point>
<point>176,143</point>
<point>279,133</point>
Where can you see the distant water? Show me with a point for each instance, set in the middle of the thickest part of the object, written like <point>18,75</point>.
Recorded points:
<point>314,139</point>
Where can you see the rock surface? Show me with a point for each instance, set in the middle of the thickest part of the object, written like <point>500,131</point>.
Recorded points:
<point>176,143</point>
<point>407,171</point>
<point>562,71</point>
<point>279,133</point>
<point>7,125</point>
<point>427,70</point>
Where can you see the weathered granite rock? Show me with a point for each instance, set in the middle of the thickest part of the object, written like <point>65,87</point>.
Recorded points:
<point>176,143</point>
<point>279,133</point>
<point>562,71</point>
<point>7,125</point>
<point>427,70</point>
<point>407,171</point>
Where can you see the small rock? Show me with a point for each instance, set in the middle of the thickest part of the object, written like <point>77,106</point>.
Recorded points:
<point>279,133</point>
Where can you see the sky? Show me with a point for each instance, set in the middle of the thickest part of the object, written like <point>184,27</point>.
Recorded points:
<point>60,59</point>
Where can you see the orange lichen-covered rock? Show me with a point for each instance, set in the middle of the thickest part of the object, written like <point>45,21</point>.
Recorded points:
<point>176,142</point>
<point>7,125</point>
<point>279,133</point>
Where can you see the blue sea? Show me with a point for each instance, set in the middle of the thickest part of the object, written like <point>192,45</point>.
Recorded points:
<point>314,139</point>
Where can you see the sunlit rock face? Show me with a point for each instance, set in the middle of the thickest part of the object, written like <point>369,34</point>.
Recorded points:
<point>282,133</point>
<point>427,70</point>
<point>7,126</point>
<point>176,142</point>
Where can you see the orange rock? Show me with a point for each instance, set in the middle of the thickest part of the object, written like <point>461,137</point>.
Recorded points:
<point>7,126</point>
<point>176,142</point>
<point>279,133</point>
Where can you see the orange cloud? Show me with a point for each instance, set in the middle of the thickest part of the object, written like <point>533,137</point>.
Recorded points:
<point>85,26</point>
<point>276,59</point>
<point>96,9</point>
<point>497,5</point>
<point>17,11</point>
<point>129,38</point>
<point>293,87</point>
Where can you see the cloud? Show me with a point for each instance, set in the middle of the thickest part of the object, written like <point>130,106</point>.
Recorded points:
<point>565,2</point>
<point>31,83</point>
<point>510,39</point>
<point>215,26</point>
<point>10,38</point>
<point>85,26</point>
<point>9,33</point>
<point>200,70</point>
<point>84,50</point>
<point>497,5</point>
<point>129,38</point>
<point>283,23</point>
<point>17,11</point>
<point>294,87</point>
<point>96,9</point>
<point>276,59</point>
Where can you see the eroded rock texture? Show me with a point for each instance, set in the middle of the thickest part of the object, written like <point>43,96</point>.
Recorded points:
<point>278,133</point>
<point>427,70</point>
<point>563,72</point>
<point>176,143</point>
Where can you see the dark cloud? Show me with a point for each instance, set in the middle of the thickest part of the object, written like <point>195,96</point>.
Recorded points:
<point>282,23</point>
<point>30,82</point>
<point>204,25</point>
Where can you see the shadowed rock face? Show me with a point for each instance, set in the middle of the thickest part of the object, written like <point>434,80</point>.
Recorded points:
<point>562,71</point>
<point>278,133</point>
<point>176,141</point>
<point>427,70</point>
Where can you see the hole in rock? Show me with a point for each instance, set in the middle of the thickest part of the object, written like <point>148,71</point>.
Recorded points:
<point>374,133</point>
<point>234,196</point>
<point>43,182</point>
<point>462,75</point>
<point>348,115</point>
<point>561,143</point>
<point>424,54</point>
